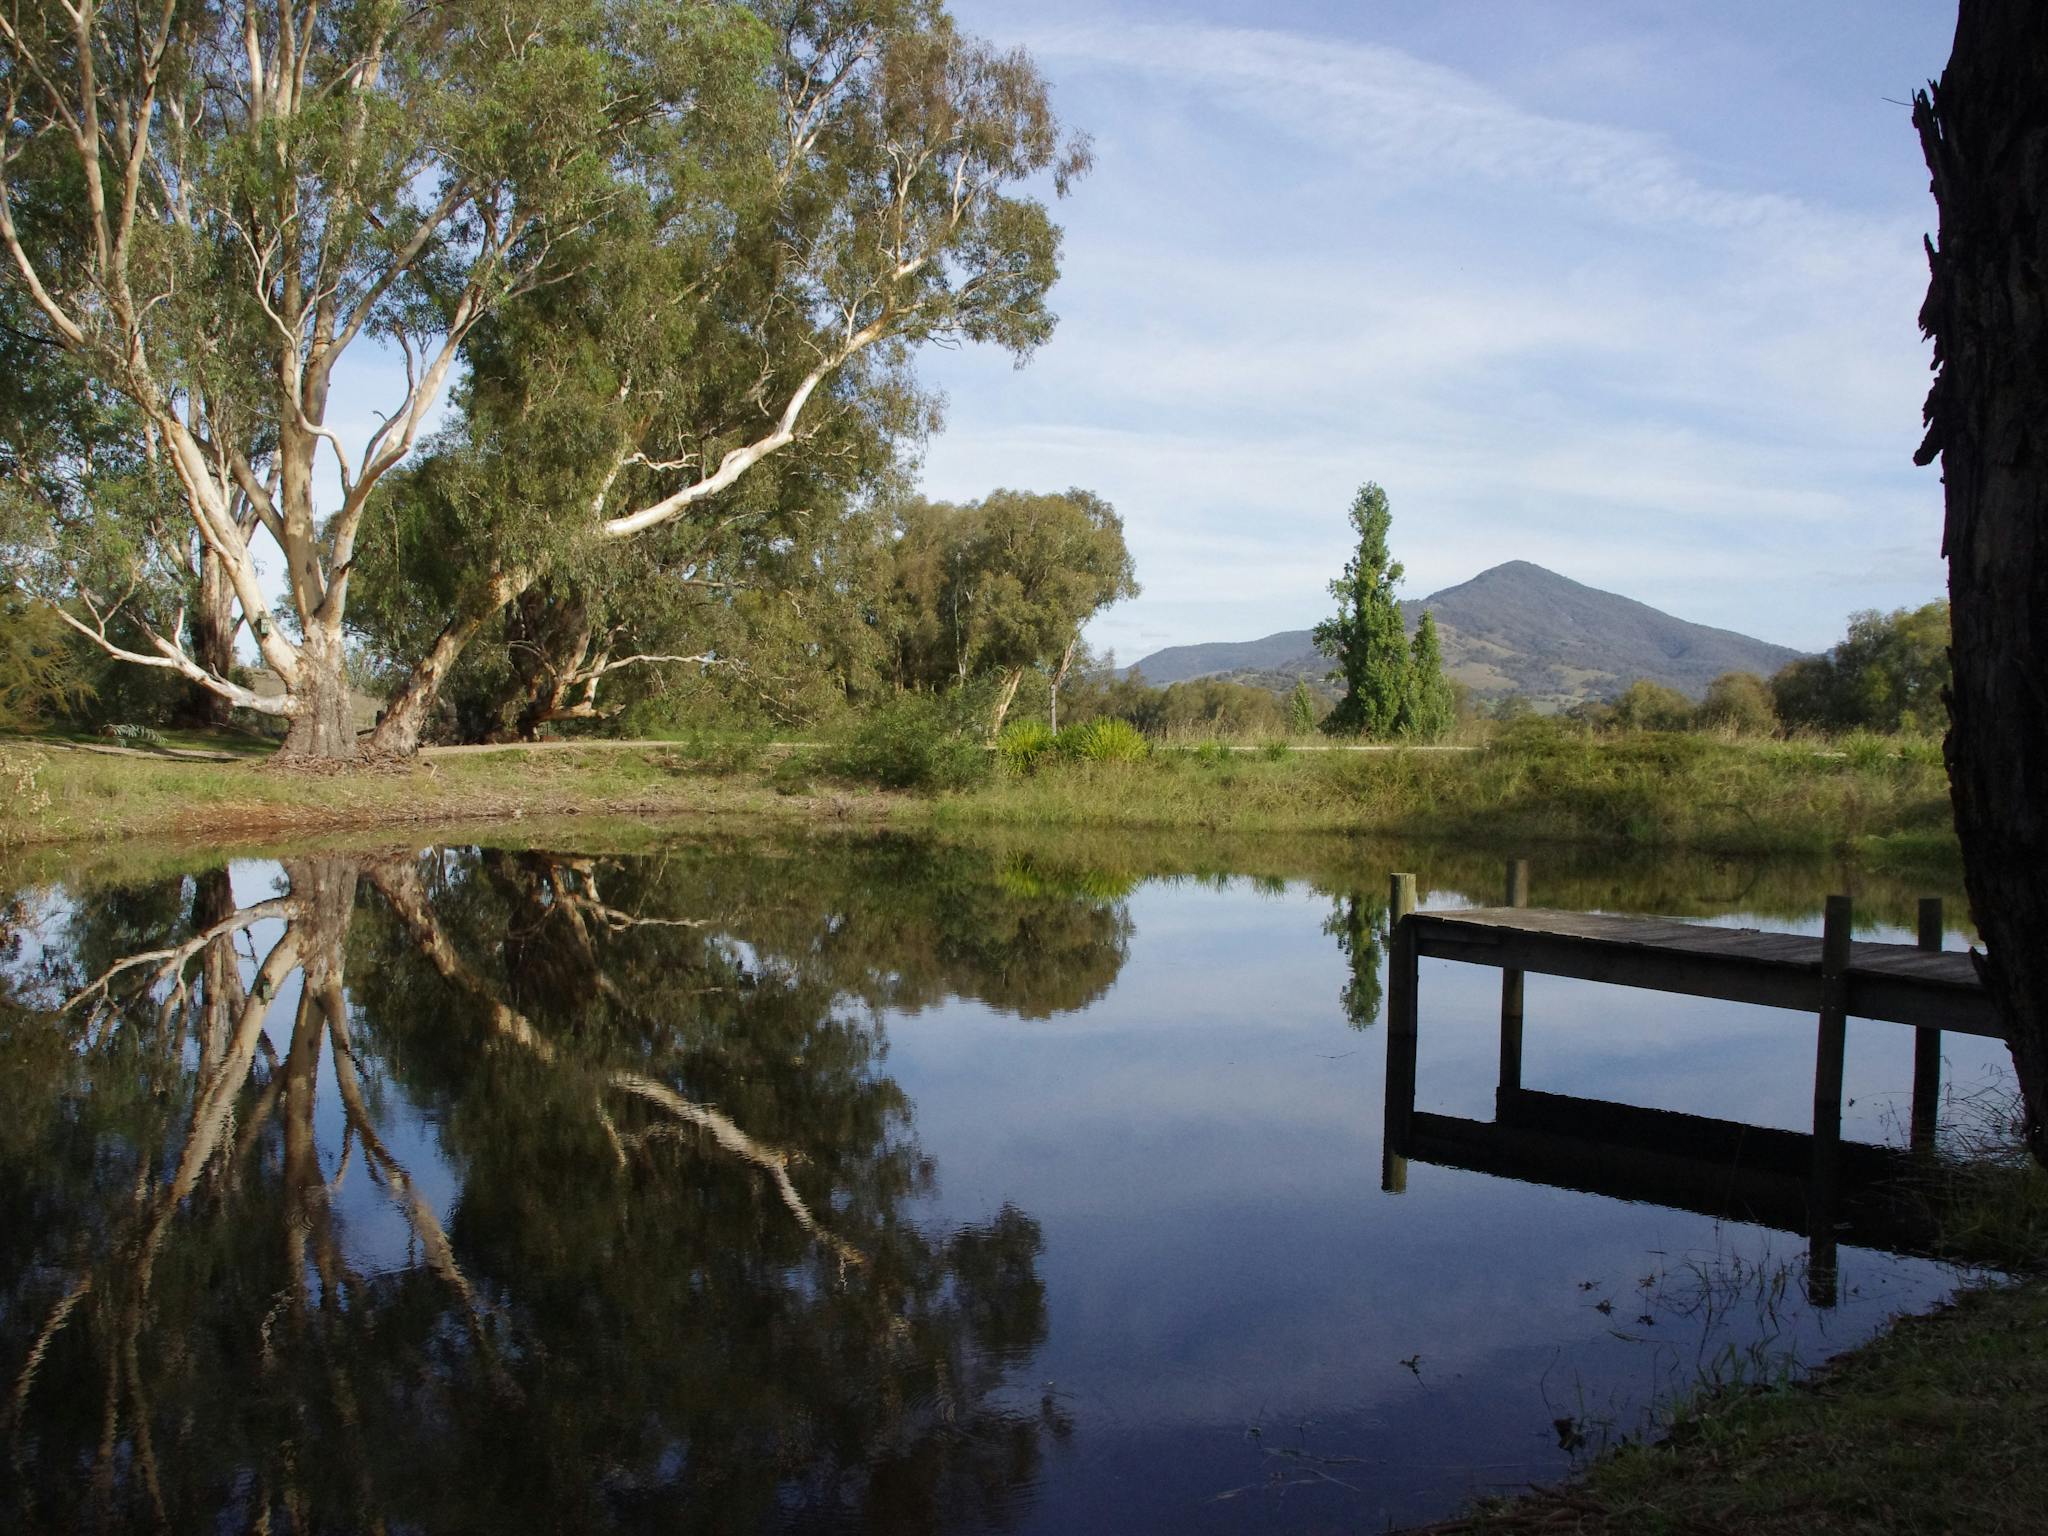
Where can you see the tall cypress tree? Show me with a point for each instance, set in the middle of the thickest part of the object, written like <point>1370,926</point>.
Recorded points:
<point>1429,706</point>
<point>1365,639</point>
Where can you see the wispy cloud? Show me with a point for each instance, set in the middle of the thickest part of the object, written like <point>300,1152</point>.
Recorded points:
<point>1308,260</point>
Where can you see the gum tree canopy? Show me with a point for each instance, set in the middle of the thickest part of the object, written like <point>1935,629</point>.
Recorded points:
<point>208,206</point>
<point>1984,128</point>
<point>997,586</point>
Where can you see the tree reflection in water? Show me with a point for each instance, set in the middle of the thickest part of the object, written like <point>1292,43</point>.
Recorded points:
<point>680,1278</point>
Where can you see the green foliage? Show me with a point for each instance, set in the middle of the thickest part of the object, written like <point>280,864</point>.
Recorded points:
<point>912,743</point>
<point>1366,639</point>
<point>1105,695</point>
<point>1739,702</point>
<point>1647,706</point>
<point>1392,687</point>
<point>1209,706</point>
<point>1301,709</point>
<point>43,676</point>
<point>1887,674</point>
<point>659,243</point>
<point>998,585</point>
<point>1024,744</point>
<point>1104,741</point>
<point>1429,706</point>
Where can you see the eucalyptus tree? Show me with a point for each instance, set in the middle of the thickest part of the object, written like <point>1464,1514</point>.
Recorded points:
<point>997,586</point>
<point>765,592</point>
<point>885,209</point>
<point>190,190</point>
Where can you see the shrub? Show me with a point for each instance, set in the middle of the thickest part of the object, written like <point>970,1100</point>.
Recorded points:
<point>1739,702</point>
<point>1648,706</point>
<point>1023,745</point>
<point>1104,741</point>
<point>911,744</point>
<point>792,774</point>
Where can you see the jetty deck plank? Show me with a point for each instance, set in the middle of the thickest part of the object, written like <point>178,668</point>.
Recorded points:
<point>1895,982</point>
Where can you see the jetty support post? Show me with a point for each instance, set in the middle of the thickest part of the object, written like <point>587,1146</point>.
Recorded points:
<point>1927,1043</point>
<point>1511,990</point>
<point>1402,1015</point>
<point>1821,1276</point>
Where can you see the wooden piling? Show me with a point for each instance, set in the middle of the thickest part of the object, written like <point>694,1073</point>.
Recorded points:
<point>1401,1034</point>
<point>1833,1038</point>
<point>1927,1042</point>
<point>1511,989</point>
<point>1400,898</point>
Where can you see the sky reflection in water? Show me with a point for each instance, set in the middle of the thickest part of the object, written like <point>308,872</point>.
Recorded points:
<point>866,1186</point>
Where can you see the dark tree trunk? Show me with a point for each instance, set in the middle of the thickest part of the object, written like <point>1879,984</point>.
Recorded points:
<point>1984,127</point>
<point>212,643</point>
<point>548,632</point>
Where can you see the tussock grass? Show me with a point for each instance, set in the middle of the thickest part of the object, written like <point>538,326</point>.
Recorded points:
<point>1531,785</point>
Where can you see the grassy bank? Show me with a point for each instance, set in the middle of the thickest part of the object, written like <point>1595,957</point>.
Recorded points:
<point>1940,1424</point>
<point>1884,803</point>
<point>1526,788</point>
<point>51,795</point>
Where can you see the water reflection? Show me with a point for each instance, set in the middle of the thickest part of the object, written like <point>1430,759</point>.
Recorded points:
<point>677,1273</point>
<point>490,1188</point>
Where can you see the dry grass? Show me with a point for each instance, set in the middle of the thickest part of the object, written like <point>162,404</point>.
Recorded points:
<point>54,795</point>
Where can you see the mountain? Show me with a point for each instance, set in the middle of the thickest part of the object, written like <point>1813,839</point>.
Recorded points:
<point>1516,628</point>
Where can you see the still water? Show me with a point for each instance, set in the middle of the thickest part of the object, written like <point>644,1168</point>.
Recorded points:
<point>860,1184</point>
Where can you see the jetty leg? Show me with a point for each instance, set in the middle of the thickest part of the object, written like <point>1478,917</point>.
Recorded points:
<point>1511,990</point>
<point>1401,1036</point>
<point>1927,1043</point>
<point>1827,1098</point>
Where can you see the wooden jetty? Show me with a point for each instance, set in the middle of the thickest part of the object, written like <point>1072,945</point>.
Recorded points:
<point>1898,983</point>
<point>1786,1179</point>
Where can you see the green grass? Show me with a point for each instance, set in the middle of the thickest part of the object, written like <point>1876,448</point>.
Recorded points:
<point>1531,786</point>
<point>1528,787</point>
<point>1940,1424</point>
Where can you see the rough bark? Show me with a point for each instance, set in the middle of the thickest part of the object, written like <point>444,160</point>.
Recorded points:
<point>213,625</point>
<point>324,725</point>
<point>1984,128</point>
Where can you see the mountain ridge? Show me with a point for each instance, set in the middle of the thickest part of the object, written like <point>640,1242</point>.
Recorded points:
<point>1514,628</point>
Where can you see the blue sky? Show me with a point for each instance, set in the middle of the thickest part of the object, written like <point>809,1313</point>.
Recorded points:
<point>1628,290</point>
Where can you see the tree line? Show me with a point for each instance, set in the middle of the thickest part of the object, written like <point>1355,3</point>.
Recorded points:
<point>1888,674</point>
<point>667,267</point>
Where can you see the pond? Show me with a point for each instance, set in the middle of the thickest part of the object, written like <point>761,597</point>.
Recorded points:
<point>811,1183</point>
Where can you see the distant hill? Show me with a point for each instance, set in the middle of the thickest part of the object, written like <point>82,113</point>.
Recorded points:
<point>1516,628</point>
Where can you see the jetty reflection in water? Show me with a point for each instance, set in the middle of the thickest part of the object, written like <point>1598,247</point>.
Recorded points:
<point>865,1185</point>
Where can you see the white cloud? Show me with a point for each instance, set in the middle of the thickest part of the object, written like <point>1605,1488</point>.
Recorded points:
<point>1309,260</point>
